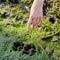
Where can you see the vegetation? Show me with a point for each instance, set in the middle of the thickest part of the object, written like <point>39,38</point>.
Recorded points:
<point>16,43</point>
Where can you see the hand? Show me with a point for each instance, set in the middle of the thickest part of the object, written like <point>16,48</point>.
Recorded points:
<point>36,14</point>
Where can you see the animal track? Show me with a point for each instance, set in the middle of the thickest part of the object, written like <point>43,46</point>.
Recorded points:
<point>17,46</point>
<point>27,49</point>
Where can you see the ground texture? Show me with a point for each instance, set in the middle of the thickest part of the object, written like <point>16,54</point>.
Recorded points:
<point>16,43</point>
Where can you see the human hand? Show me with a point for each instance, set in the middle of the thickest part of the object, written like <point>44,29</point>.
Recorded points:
<point>36,14</point>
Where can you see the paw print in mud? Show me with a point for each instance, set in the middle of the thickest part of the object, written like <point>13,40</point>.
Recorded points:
<point>29,49</point>
<point>17,46</point>
<point>26,48</point>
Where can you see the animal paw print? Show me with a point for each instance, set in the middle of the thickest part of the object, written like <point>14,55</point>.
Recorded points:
<point>29,49</point>
<point>26,48</point>
<point>17,46</point>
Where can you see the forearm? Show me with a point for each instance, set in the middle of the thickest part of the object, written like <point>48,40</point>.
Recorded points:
<point>39,0</point>
<point>38,3</point>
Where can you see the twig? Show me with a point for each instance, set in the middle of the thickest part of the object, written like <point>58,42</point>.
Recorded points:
<point>51,35</point>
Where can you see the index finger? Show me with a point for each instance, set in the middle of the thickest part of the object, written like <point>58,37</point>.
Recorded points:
<point>29,23</point>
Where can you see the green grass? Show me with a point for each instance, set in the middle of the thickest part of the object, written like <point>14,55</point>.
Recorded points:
<point>17,32</point>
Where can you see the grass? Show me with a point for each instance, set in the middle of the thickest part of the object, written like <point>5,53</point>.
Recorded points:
<point>17,32</point>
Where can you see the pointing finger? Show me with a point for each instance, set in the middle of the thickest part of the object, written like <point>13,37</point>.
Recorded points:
<point>29,23</point>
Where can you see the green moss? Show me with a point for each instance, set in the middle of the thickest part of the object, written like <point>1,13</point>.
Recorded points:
<point>17,32</point>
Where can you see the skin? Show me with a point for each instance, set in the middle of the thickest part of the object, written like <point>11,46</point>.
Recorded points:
<point>36,14</point>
